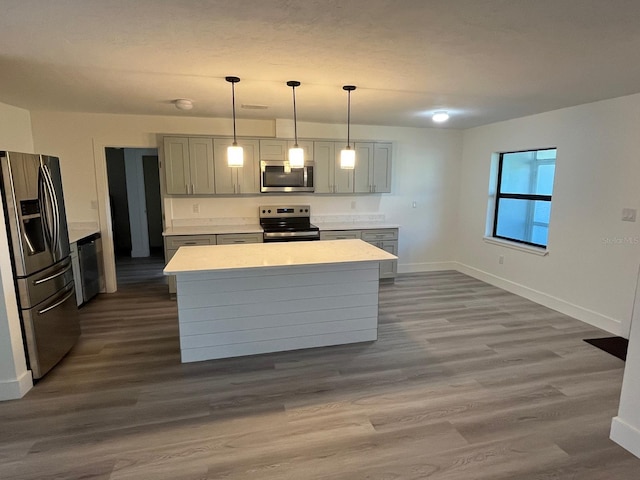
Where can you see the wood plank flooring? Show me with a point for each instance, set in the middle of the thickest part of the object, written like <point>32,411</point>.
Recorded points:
<point>465,382</point>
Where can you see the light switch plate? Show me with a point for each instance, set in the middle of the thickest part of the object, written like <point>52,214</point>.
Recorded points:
<point>628,214</point>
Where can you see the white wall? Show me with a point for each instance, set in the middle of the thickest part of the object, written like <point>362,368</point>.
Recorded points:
<point>15,379</point>
<point>426,170</point>
<point>591,269</point>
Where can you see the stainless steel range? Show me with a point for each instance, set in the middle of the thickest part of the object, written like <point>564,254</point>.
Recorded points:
<point>287,223</point>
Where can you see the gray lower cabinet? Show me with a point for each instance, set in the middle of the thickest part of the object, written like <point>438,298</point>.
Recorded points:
<point>173,242</point>
<point>384,238</point>
<point>235,238</point>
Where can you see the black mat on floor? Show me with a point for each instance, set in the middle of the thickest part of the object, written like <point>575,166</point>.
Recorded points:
<point>616,346</point>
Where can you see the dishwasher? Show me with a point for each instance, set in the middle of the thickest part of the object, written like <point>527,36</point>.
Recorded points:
<point>89,272</point>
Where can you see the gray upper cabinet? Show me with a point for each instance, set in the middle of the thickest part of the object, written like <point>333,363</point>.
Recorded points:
<point>279,149</point>
<point>328,176</point>
<point>325,161</point>
<point>373,167</point>
<point>198,165</point>
<point>237,180</point>
<point>273,149</point>
<point>188,165</point>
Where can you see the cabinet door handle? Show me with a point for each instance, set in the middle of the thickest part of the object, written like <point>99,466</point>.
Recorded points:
<point>239,189</point>
<point>186,186</point>
<point>234,188</point>
<point>193,189</point>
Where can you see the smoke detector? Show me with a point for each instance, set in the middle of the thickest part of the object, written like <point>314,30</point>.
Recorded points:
<point>183,104</point>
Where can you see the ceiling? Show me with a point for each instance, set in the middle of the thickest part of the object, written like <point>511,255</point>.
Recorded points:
<point>482,60</point>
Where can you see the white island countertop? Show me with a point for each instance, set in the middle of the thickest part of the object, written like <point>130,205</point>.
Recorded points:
<point>278,254</point>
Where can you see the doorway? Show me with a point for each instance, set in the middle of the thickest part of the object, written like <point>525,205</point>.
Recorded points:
<point>135,202</point>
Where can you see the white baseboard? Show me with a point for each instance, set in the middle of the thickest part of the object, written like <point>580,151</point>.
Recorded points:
<point>625,435</point>
<point>426,267</point>
<point>596,319</point>
<point>14,389</point>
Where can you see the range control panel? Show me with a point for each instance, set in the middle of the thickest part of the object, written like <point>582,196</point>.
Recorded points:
<point>284,211</point>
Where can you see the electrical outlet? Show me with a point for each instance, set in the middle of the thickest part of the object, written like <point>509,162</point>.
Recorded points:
<point>501,259</point>
<point>196,208</point>
<point>628,214</point>
<point>353,204</point>
<point>94,205</point>
<point>414,204</point>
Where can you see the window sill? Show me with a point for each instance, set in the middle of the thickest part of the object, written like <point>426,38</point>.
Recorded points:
<point>517,246</point>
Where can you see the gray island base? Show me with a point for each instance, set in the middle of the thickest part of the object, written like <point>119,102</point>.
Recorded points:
<point>236,300</point>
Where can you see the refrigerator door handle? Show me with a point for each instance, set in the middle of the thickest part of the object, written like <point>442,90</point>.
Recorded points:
<point>51,277</point>
<point>45,212</point>
<point>55,208</point>
<point>57,304</point>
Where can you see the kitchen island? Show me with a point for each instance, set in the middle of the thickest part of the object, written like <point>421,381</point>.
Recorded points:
<point>236,300</point>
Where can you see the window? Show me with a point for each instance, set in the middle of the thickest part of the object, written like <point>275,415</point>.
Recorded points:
<point>523,196</point>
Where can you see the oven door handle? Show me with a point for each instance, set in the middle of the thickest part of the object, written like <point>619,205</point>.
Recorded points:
<point>291,234</point>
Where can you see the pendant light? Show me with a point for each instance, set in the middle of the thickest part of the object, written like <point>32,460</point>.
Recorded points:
<point>235,157</point>
<point>296,154</point>
<point>348,155</point>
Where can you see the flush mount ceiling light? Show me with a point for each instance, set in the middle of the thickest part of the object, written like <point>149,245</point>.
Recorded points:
<point>296,154</point>
<point>235,157</point>
<point>440,116</point>
<point>348,155</point>
<point>183,104</point>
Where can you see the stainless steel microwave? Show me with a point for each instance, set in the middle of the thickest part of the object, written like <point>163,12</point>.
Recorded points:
<point>278,176</point>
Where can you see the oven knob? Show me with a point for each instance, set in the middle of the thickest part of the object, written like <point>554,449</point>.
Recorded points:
<point>269,211</point>
<point>306,210</point>
<point>264,211</point>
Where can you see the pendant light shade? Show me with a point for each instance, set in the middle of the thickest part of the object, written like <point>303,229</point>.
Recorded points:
<point>348,155</point>
<point>348,158</point>
<point>235,155</point>
<point>296,154</point>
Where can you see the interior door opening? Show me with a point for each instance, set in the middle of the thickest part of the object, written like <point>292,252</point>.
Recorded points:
<point>136,212</point>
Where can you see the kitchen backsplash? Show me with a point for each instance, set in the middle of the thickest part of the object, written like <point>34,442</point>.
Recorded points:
<point>333,218</point>
<point>189,222</point>
<point>353,218</point>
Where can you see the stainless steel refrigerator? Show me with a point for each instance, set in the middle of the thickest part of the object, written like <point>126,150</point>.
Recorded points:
<point>39,244</point>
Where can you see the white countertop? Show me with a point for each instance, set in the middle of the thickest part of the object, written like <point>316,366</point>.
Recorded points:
<point>354,225</point>
<point>278,254</point>
<point>256,228</point>
<point>211,229</point>
<point>76,234</point>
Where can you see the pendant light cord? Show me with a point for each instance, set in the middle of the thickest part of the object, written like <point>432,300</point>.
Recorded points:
<point>233,103</point>
<point>295,120</point>
<point>348,117</point>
